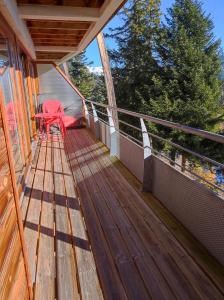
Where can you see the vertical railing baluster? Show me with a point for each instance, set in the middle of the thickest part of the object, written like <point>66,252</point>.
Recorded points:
<point>113,134</point>
<point>86,113</point>
<point>96,122</point>
<point>148,159</point>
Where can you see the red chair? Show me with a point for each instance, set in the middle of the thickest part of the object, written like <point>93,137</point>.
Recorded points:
<point>53,113</point>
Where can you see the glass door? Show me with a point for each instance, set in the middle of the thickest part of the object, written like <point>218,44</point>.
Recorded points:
<point>10,107</point>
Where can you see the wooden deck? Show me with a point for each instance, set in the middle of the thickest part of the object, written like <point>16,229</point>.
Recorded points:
<point>92,234</point>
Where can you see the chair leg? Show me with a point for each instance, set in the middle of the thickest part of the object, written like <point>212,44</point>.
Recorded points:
<point>47,128</point>
<point>63,128</point>
<point>41,125</point>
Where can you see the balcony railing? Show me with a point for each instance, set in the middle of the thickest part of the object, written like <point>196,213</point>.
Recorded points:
<point>103,113</point>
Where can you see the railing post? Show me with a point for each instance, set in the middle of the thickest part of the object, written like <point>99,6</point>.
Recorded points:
<point>148,159</point>
<point>96,122</point>
<point>113,135</point>
<point>86,113</point>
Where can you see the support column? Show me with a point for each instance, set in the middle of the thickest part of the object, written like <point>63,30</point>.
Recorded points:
<point>148,160</point>
<point>108,77</point>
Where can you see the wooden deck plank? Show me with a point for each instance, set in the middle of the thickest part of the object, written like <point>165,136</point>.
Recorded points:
<point>118,248</point>
<point>27,193</point>
<point>33,215</point>
<point>153,279</point>
<point>67,287</point>
<point>109,278</point>
<point>195,276</point>
<point>192,247</point>
<point>201,289</point>
<point>121,241</point>
<point>191,271</point>
<point>45,279</point>
<point>59,203</point>
<point>138,258</point>
<point>88,278</point>
<point>29,183</point>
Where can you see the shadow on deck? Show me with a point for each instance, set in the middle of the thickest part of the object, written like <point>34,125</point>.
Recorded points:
<point>92,234</point>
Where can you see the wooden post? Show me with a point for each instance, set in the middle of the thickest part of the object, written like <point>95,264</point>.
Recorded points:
<point>36,80</point>
<point>108,77</point>
<point>32,107</point>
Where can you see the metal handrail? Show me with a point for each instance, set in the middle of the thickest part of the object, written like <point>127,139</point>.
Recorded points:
<point>198,132</point>
<point>201,133</point>
<point>202,157</point>
<point>120,131</point>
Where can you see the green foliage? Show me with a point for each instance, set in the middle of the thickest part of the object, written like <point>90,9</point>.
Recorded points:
<point>133,62</point>
<point>92,86</point>
<point>188,80</point>
<point>171,71</point>
<point>99,93</point>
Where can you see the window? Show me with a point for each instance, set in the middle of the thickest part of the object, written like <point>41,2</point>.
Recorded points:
<point>10,106</point>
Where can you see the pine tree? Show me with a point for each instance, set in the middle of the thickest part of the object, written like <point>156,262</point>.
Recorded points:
<point>188,84</point>
<point>92,86</point>
<point>133,63</point>
<point>80,74</point>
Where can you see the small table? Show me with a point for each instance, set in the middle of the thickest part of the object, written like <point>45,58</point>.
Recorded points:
<point>49,115</point>
<point>46,117</point>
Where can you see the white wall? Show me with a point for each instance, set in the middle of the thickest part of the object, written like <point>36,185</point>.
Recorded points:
<point>54,86</point>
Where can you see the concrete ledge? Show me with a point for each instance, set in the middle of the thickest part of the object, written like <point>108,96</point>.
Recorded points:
<point>132,156</point>
<point>199,209</point>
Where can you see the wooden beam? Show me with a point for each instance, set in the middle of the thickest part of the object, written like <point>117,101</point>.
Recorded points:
<point>55,32</point>
<point>9,11</point>
<point>56,25</point>
<point>77,3</point>
<point>45,61</point>
<point>50,49</point>
<point>108,76</point>
<point>58,44</point>
<point>56,41</point>
<point>49,57</point>
<point>30,92</point>
<point>56,36</point>
<point>3,47</point>
<point>58,13</point>
<point>36,81</point>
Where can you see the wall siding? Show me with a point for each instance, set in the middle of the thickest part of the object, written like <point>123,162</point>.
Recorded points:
<point>53,86</point>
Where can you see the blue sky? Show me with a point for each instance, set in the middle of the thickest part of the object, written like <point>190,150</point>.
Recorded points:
<point>214,7</point>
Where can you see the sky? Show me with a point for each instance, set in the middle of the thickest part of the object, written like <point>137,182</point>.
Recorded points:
<point>213,7</point>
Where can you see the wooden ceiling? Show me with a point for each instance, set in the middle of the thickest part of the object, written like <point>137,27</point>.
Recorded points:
<point>49,56</point>
<point>62,28</point>
<point>57,33</point>
<point>77,3</point>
